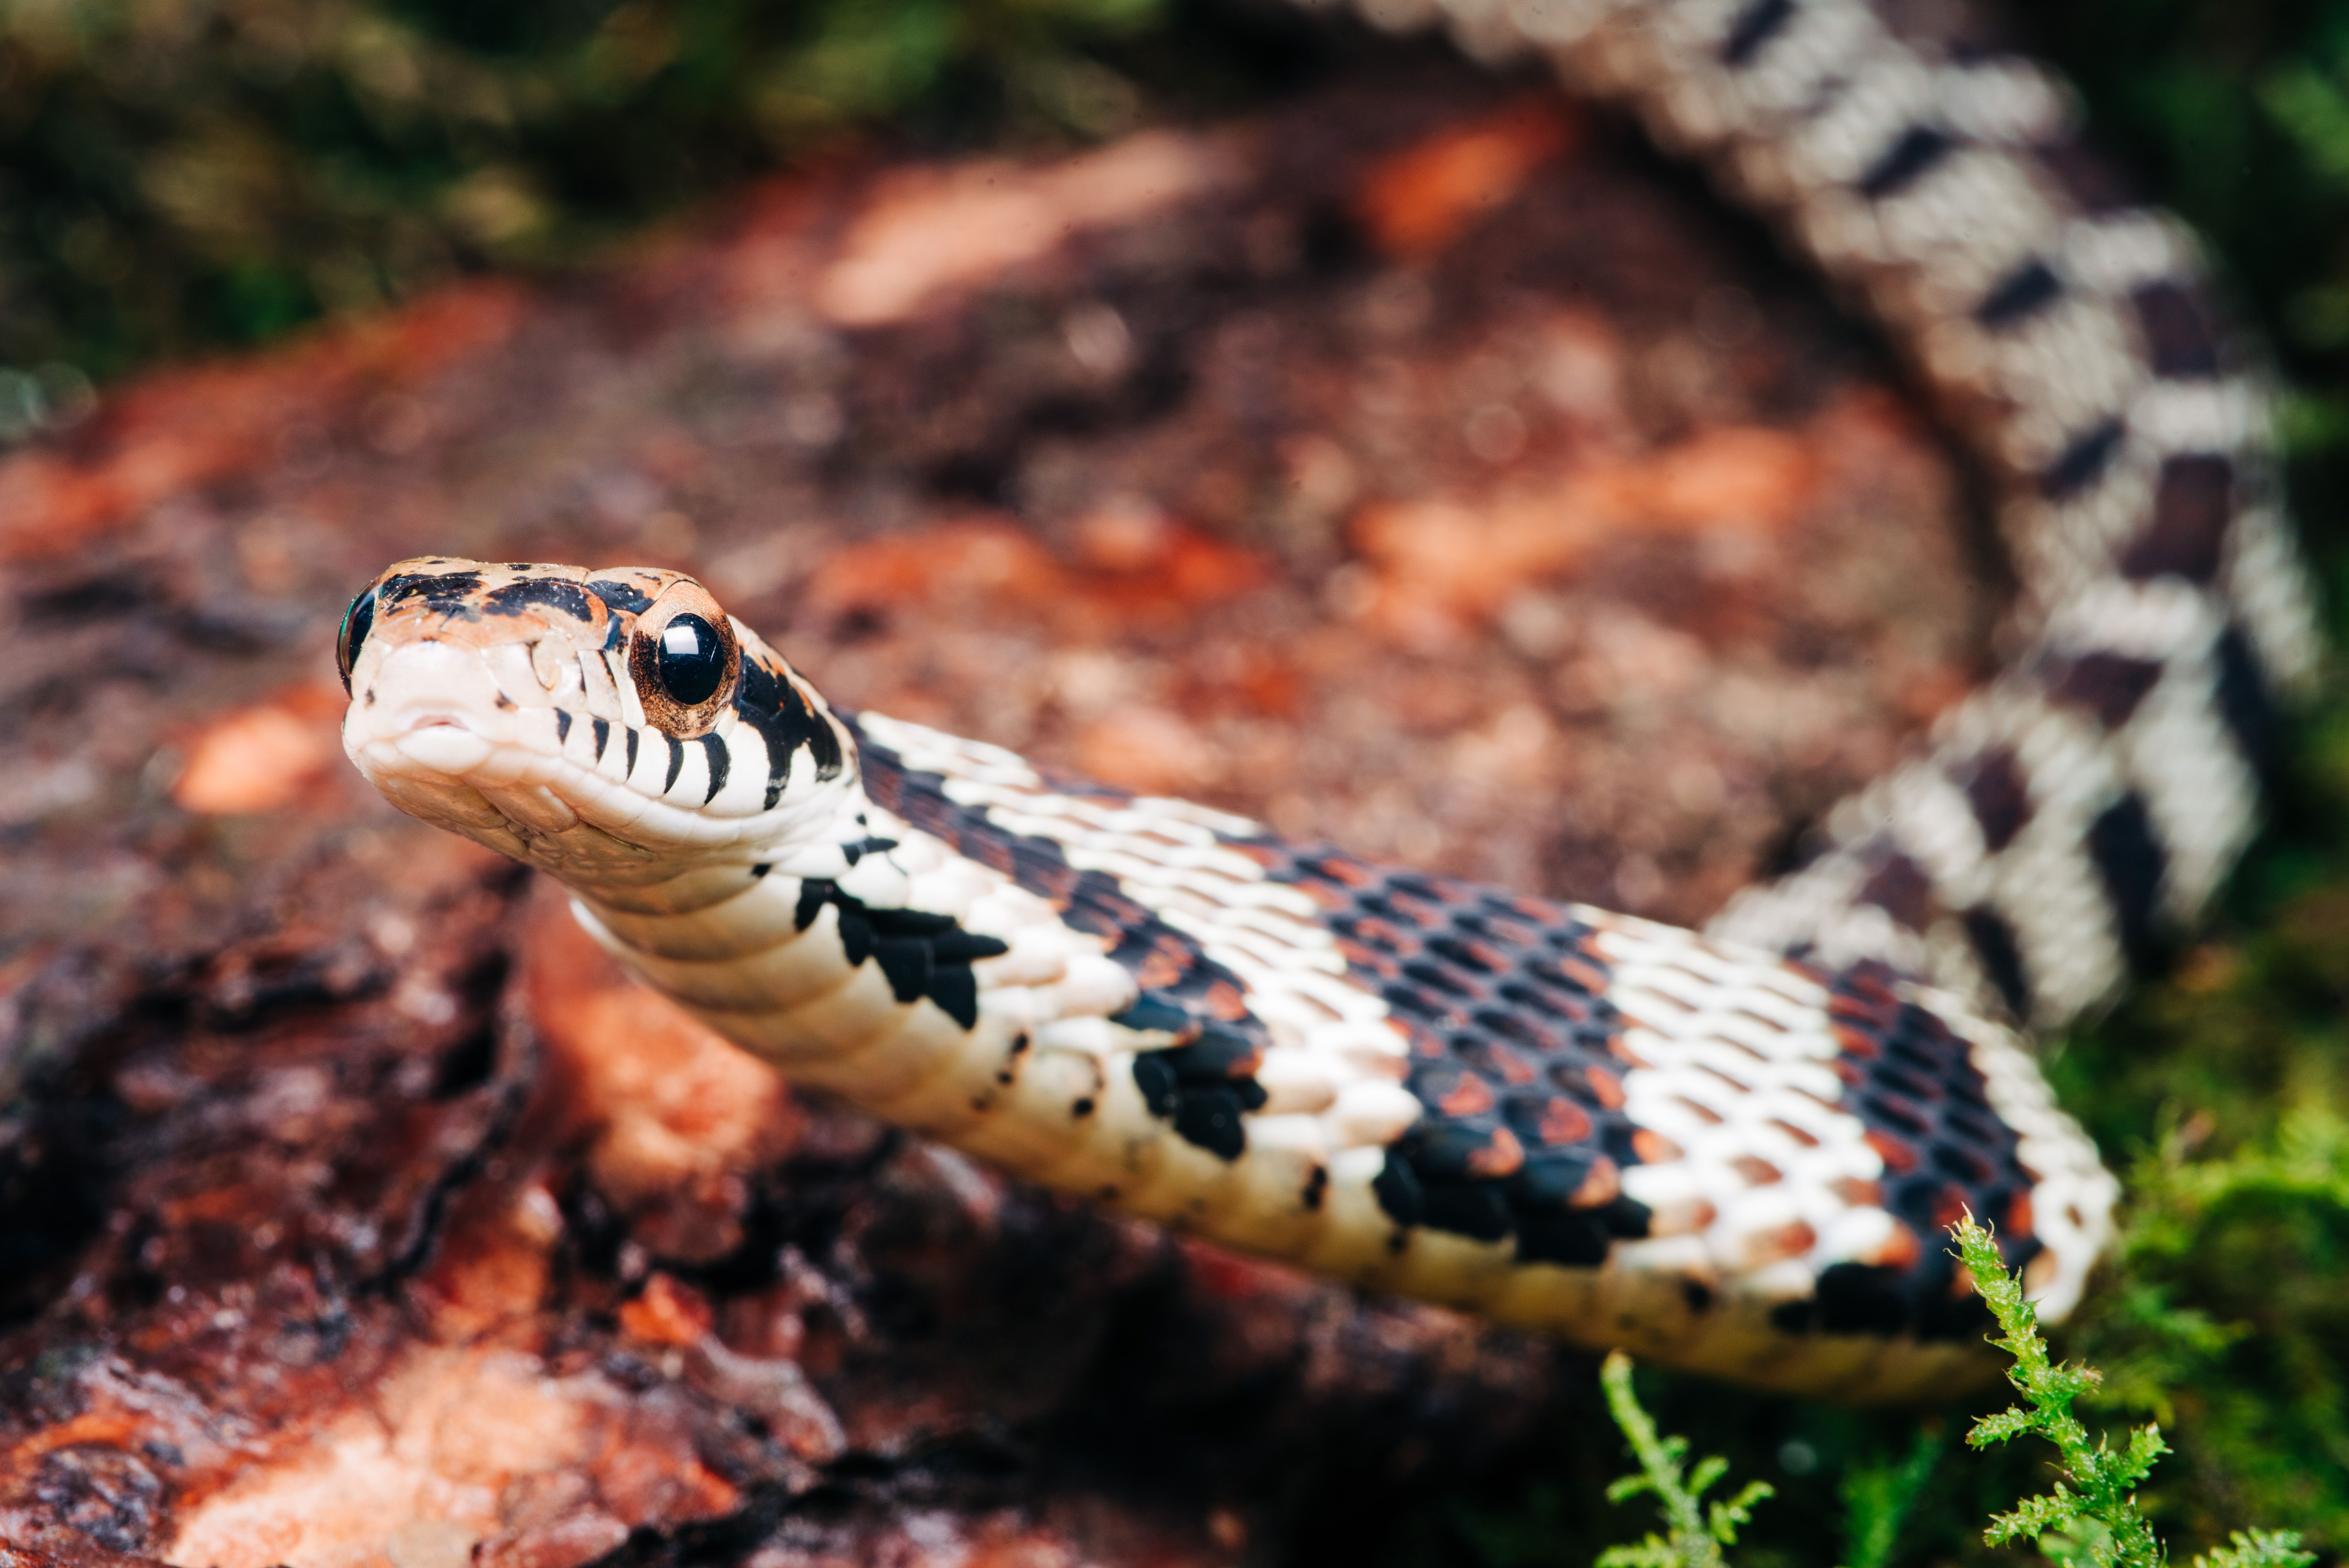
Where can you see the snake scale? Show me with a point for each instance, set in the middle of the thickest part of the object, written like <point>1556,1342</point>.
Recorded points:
<point>1732,1152</point>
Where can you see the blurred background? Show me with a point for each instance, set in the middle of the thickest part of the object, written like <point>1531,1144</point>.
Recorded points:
<point>182,177</point>
<point>291,287</point>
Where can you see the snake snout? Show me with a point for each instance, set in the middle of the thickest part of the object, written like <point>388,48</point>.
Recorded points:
<point>429,707</point>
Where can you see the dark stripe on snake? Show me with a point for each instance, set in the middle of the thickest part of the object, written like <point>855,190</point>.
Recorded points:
<point>1206,1080</point>
<point>2179,336</point>
<point>624,597</point>
<point>2082,463</point>
<point>2130,859</point>
<point>1900,887</point>
<point>919,953</point>
<point>2109,686</point>
<point>2095,184</point>
<point>722,762</point>
<point>629,737</point>
<point>2023,294</point>
<point>773,707</point>
<point>675,761</point>
<point>2246,706</point>
<point>1905,161</point>
<point>448,594</point>
<point>1912,1081</point>
<point>2192,510</point>
<point>1994,944</point>
<point>602,730</point>
<point>1995,787</point>
<point>1756,25</point>
<point>562,725</point>
<point>1514,1055</point>
<point>552,594</point>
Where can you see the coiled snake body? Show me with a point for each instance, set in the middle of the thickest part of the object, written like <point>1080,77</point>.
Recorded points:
<point>1732,1152</point>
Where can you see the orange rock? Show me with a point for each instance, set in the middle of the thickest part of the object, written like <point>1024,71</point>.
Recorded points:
<point>1456,558</point>
<point>263,758</point>
<point>177,431</point>
<point>674,1111</point>
<point>990,556</point>
<point>491,1267</point>
<point>667,1312</point>
<point>926,231</point>
<point>448,1429</point>
<point>1420,199</point>
<point>1148,751</point>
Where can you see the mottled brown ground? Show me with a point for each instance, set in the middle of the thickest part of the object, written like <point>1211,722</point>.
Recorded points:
<point>1417,465</point>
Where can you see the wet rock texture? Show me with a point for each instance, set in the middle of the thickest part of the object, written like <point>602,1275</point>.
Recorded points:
<point>1416,464</point>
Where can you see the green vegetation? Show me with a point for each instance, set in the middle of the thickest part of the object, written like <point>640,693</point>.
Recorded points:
<point>1877,1499</point>
<point>2090,1518</point>
<point>2095,1519</point>
<point>1697,1532</point>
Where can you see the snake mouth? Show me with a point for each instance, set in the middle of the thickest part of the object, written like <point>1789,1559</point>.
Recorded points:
<point>442,743</point>
<point>430,707</point>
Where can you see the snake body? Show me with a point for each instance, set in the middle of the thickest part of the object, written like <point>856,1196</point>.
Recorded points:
<point>1732,1152</point>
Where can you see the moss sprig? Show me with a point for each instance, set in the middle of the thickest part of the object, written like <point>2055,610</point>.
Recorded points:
<point>2093,1513</point>
<point>1695,1531</point>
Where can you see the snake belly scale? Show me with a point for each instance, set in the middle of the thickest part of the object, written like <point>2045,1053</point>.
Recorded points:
<point>1732,1152</point>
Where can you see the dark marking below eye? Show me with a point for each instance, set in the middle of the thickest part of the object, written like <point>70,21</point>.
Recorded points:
<point>720,762</point>
<point>562,725</point>
<point>603,729</point>
<point>630,771</point>
<point>622,597</point>
<point>675,761</point>
<point>774,708</point>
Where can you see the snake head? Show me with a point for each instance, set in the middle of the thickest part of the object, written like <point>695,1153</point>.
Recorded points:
<point>616,728</point>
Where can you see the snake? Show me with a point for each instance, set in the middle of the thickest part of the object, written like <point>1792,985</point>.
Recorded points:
<point>1734,1151</point>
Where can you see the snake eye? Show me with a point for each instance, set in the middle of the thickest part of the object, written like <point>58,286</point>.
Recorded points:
<point>691,661</point>
<point>684,659</point>
<point>357,622</point>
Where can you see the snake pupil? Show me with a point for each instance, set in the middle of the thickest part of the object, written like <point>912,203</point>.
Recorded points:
<point>691,664</point>
<point>357,622</point>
